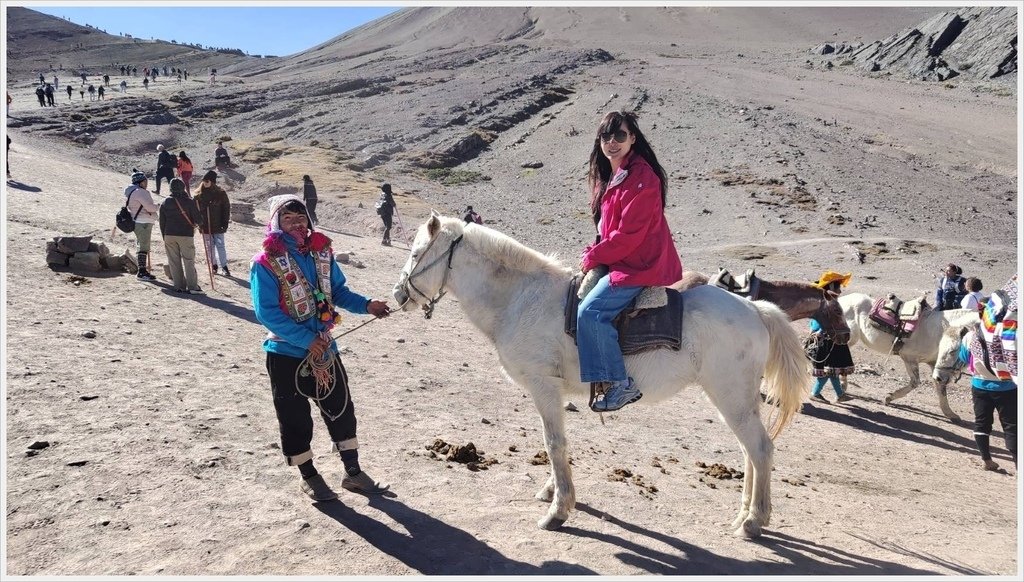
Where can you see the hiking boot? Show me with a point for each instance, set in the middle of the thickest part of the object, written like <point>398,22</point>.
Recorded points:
<point>819,398</point>
<point>215,267</point>
<point>317,489</point>
<point>618,395</point>
<point>844,397</point>
<point>363,483</point>
<point>227,273</point>
<point>145,275</point>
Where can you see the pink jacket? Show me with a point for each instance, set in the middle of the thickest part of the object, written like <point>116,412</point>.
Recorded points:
<point>636,244</point>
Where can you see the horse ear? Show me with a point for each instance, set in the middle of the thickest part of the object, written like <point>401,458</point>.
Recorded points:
<point>433,225</point>
<point>434,213</point>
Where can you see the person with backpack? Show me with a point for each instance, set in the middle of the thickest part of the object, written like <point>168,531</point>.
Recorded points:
<point>990,353</point>
<point>469,215</point>
<point>178,219</point>
<point>386,209</point>
<point>309,197</point>
<point>141,206</point>
<point>296,286</point>
<point>165,166</point>
<point>214,216</point>
<point>185,170</point>
<point>952,289</point>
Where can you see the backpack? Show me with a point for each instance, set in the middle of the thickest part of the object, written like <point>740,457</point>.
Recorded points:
<point>382,204</point>
<point>124,219</point>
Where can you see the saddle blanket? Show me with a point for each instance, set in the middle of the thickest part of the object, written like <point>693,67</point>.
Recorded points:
<point>894,316</point>
<point>640,329</point>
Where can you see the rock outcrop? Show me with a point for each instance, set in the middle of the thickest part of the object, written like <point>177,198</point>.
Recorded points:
<point>975,43</point>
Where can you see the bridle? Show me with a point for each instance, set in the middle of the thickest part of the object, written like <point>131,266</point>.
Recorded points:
<point>957,366</point>
<point>428,309</point>
<point>819,315</point>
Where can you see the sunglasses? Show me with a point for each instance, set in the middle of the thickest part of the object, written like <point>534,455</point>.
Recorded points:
<point>619,136</point>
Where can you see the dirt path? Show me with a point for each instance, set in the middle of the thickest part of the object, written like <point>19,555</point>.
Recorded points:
<point>163,456</point>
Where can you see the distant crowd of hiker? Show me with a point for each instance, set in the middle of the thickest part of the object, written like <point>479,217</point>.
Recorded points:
<point>46,89</point>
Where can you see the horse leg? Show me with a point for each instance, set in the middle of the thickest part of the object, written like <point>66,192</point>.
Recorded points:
<point>940,391</point>
<point>559,488</point>
<point>915,379</point>
<point>741,413</point>
<point>748,487</point>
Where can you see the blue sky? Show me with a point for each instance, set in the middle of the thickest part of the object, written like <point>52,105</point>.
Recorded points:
<point>264,30</point>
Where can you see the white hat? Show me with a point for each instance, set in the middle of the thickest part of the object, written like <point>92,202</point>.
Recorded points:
<point>160,147</point>
<point>277,203</point>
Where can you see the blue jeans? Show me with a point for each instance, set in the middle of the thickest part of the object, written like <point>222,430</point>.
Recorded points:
<point>596,337</point>
<point>218,252</point>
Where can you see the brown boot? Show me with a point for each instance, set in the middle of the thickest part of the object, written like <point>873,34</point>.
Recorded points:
<point>317,489</point>
<point>363,483</point>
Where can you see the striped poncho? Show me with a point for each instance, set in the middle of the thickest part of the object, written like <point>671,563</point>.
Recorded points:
<point>999,333</point>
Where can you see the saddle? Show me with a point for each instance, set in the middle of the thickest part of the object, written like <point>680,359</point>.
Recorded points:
<point>643,325</point>
<point>896,317</point>
<point>746,285</point>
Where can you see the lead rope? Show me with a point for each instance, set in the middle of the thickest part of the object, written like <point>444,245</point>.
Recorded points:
<point>325,371</point>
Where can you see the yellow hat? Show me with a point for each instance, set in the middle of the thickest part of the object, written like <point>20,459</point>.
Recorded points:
<point>831,277</point>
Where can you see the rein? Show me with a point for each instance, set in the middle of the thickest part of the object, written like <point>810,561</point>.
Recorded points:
<point>432,301</point>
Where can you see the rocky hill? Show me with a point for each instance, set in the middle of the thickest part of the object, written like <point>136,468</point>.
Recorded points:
<point>494,107</point>
<point>40,43</point>
<point>977,43</point>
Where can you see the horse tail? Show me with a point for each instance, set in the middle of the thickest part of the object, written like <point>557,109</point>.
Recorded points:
<point>786,374</point>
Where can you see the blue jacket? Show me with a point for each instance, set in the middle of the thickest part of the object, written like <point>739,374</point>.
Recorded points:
<point>293,337</point>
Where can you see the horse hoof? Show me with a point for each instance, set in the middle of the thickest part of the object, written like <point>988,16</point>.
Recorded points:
<point>749,530</point>
<point>551,523</point>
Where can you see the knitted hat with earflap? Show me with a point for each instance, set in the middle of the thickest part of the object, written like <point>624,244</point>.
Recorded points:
<point>279,202</point>
<point>274,244</point>
<point>137,177</point>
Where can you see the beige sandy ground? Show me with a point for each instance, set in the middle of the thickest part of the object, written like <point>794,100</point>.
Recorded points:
<point>163,454</point>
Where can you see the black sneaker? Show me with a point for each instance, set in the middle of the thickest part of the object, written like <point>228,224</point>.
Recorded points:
<point>145,276</point>
<point>227,273</point>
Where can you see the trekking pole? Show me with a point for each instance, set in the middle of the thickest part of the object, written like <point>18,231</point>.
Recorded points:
<point>206,249</point>
<point>405,234</point>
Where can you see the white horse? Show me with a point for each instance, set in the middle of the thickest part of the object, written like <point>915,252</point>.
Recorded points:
<point>515,296</point>
<point>920,348</point>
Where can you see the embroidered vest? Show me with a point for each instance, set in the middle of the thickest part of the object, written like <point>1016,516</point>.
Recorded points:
<point>299,302</point>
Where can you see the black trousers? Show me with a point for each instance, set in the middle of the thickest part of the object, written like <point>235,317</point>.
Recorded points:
<point>293,418</point>
<point>387,225</point>
<point>165,173</point>
<point>1005,403</point>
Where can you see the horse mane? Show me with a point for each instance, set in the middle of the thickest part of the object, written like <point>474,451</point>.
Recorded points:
<point>504,249</point>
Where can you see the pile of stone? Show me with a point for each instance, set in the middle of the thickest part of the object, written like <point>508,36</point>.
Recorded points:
<point>243,212</point>
<point>82,255</point>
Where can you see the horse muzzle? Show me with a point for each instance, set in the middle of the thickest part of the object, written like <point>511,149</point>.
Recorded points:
<point>401,295</point>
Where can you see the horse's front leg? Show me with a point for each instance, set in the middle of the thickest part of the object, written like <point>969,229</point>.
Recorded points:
<point>559,489</point>
<point>940,391</point>
<point>915,379</point>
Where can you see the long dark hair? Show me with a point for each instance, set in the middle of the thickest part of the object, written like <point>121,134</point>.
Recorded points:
<point>601,169</point>
<point>182,156</point>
